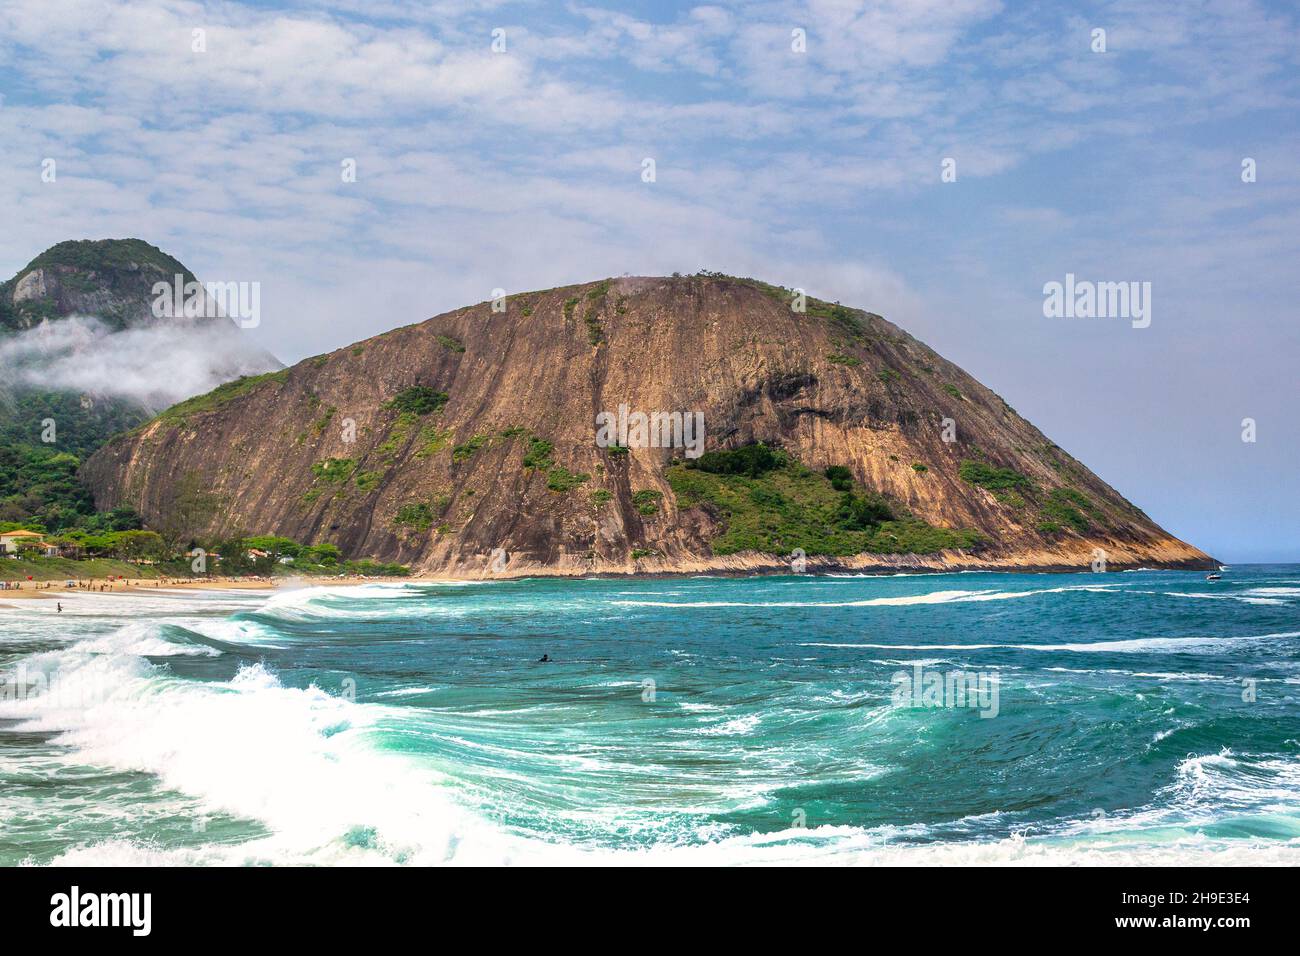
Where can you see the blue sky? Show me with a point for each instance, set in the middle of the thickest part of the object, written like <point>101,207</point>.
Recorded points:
<point>821,169</point>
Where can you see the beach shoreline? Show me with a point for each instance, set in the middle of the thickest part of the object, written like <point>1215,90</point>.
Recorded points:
<point>38,590</point>
<point>41,590</point>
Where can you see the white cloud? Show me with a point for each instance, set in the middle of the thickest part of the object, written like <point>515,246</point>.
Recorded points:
<point>152,366</point>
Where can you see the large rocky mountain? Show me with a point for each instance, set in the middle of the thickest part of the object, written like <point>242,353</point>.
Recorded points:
<point>469,445</point>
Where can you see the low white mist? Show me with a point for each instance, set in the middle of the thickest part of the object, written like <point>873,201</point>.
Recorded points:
<point>154,366</point>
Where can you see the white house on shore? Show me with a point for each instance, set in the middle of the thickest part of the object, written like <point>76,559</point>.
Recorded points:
<point>10,541</point>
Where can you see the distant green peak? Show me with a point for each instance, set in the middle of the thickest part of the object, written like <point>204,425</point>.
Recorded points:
<point>107,255</point>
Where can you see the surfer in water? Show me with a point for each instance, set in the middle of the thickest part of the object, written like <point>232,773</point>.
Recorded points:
<point>544,659</point>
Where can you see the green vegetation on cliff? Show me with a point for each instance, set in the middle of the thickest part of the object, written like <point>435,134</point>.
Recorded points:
<point>1059,510</point>
<point>647,501</point>
<point>210,401</point>
<point>769,502</point>
<point>561,479</point>
<point>1068,506</point>
<point>993,478</point>
<point>418,400</point>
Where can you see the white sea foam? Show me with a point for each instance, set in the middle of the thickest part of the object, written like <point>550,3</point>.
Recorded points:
<point>1169,645</point>
<point>362,602</point>
<point>407,692</point>
<point>1244,598</point>
<point>1211,781</point>
<point>933,597</point>
<point>737,726</point>
<point>300,760</point>
<point>143,640</point>
<point>813,846</point>
<point>300,597</point>
<point>1154,675</point>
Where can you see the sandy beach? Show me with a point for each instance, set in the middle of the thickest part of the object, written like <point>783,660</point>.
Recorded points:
<point>29,591</point>
<point>42,590</point>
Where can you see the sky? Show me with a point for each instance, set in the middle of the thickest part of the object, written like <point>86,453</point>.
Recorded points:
<point>818,165</point>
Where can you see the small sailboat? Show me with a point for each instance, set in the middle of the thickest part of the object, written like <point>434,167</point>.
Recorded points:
<point>1214,575</point>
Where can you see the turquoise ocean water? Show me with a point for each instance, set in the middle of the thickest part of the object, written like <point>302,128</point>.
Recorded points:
<point>1138,717</point>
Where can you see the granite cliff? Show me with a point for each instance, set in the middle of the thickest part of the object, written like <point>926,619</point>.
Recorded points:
<point>471,444</point>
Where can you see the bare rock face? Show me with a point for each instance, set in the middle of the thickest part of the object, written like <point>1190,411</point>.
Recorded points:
<point>30,287</point>
<point>468,445</point>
